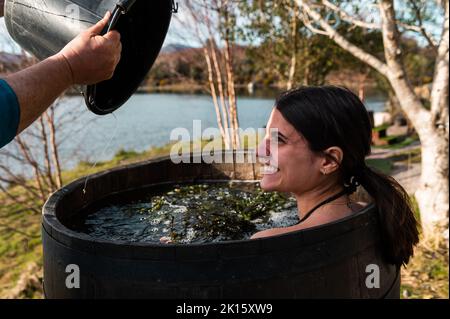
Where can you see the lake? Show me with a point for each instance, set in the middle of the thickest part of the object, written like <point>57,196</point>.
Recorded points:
<point>147,120</point>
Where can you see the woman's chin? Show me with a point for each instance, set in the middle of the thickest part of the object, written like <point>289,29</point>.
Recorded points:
<point>269,183</point>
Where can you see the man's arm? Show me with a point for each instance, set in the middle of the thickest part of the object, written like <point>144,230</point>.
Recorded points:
<point>37,87</point>
<point>88,59</point>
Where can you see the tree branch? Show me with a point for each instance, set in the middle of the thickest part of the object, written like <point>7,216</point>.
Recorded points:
<point>346,17</point>
<point>343,42</point>
<point>421,29</point>
<point>397,76</point>
<point>310,27</point>
<point>17,200</point>
<point>28,156</point>
<point>367,25</point>
<point>18,231</point>
<point>54,148</point>
<point>48,168</point>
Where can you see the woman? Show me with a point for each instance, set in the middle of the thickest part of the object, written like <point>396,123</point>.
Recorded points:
<point>324,135</point>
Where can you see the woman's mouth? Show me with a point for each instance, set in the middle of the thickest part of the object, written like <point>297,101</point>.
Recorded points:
<point>269,169</point>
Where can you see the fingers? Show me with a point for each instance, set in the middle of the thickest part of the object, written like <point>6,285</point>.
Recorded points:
<point>119,56</point>
<point>93,57</point>
<point>97,28</point>
<point>113,36</point>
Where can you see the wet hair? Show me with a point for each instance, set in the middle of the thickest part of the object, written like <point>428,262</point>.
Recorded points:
<point>329,116</point>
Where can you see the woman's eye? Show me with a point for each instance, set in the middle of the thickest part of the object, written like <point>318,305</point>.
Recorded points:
<point>277,141</point>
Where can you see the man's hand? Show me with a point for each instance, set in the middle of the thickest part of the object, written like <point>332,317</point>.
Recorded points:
<point>88,59</point>
<point>92,58</point>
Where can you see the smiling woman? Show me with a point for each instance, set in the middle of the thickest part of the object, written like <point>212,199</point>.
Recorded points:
<point>324,135</point>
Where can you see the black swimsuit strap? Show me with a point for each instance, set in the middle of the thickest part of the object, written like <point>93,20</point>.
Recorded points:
<point>332,198</point>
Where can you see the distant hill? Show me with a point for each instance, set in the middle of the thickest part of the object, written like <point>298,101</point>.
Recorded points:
<point>184,65</point>
<point>174,47</point>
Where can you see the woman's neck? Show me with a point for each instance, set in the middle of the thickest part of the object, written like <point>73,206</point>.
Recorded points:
<point>311,199</point>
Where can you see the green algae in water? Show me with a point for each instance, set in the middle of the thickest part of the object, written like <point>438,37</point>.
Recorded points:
<point>198,213</point>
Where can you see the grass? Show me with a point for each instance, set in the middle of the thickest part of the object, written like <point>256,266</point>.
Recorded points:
<point>404,142</point>
<point>426,276</point>
<point>18,249</point>
<point>383,165</point>
<point>413,156</point>
<point>381,128</point>
<point>122,157</point>
<point>407,157</point>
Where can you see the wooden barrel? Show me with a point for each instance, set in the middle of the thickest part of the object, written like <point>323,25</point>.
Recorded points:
<point>338,260</point>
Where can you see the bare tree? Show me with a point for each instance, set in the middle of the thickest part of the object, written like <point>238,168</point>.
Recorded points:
<point>25,178</point>
<point>294,30</point>
<point>212,26</point>
<point>30,166</point>
<point>432,125</point>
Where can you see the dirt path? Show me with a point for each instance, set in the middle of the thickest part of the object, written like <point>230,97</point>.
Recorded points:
<point>385,153</point>
<point>406,173</point>
<point>408,177</point>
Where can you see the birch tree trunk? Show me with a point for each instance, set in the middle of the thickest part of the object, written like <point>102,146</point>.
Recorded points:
<point>210,21</point>
<point>432,195</point>
<point>293,65</point>
<point>224,109</point>
<point>230,79</point>
<point>214,95</point>
<point>54,146</point>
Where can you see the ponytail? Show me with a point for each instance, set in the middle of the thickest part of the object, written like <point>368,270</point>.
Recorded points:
<point>399,227</point>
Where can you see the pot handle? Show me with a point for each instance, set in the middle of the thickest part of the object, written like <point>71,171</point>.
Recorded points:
<point>122,7</point>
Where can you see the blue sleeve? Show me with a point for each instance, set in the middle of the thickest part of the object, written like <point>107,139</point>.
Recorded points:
<point>9,113</point>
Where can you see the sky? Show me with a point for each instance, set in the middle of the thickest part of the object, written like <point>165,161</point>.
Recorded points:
<point>5,39</point>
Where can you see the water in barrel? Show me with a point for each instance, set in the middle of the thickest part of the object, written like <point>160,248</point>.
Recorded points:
<point>195,213</point>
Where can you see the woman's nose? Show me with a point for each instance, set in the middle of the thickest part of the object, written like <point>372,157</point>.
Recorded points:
<point>263,149</point>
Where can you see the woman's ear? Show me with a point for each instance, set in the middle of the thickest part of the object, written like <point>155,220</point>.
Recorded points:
<point>332,160</point>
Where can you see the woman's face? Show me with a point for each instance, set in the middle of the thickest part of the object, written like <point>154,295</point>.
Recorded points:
<point>289,164</point>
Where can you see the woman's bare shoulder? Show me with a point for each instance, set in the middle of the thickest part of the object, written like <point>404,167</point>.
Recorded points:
<point>271,232</point>
<point>278,231</point>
